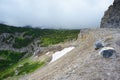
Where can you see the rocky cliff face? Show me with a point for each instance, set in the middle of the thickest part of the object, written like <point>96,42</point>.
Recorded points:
<point>7,40</point>
<point>111,19</point>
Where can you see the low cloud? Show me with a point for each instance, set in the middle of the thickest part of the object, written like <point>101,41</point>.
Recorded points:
<point>53,13</point>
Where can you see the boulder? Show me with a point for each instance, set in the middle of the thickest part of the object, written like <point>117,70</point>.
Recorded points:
<point>107,52</point>
<point>98,45</point>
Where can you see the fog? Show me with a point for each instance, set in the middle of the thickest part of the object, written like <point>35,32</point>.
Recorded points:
<point>69,14</point>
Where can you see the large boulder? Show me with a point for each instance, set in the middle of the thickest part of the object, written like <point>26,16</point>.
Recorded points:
<point>107,52</point>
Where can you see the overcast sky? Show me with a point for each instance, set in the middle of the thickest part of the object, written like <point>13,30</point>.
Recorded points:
<point>53,13</point>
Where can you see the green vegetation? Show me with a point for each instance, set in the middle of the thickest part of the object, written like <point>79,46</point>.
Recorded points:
<point>9,58</point>
<point>13,29</point>
<point>10,61</point>
<point>29,67</point>
<point>11,65</point>
<point>21,42</point>
<point>59,36</point>
<point>46,36</point>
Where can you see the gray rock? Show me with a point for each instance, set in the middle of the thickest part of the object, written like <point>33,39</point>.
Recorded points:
<point>98,45</point>
<point>7,40</point>
<point>111,18</point>
<point>107,52</point>
<point>118,42</point>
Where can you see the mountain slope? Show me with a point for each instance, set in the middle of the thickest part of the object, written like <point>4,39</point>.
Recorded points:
<point>83,62</point>
<point>19,45</point>
<point>24,39</point>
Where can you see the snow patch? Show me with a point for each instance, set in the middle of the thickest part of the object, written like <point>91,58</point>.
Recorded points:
<point>59,54</point>
<point>47,53</point>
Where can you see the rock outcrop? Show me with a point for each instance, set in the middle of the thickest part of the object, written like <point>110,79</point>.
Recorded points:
<point>7,40</point>
<point>111,19</point>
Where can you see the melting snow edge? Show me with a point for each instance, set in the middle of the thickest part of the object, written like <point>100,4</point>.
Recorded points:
<point>61,53</point>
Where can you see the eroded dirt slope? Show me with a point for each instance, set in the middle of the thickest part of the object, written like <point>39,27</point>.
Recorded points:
<point>83,62</point>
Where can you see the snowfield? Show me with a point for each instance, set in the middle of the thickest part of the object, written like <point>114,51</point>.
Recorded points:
<point>59,54</point>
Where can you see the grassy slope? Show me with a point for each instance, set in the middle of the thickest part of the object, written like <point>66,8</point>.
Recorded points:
<point>12,63</point>
<point>9,60</point>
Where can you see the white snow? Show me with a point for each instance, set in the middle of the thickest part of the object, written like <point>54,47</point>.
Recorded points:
<point>59,54</point>
<point>47,53</point>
